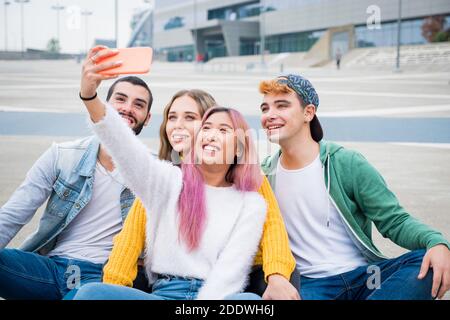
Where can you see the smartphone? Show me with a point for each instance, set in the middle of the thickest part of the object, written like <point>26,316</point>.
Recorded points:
<point>136,60</point>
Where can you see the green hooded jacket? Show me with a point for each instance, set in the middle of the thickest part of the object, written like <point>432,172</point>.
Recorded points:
<point>361,196</point>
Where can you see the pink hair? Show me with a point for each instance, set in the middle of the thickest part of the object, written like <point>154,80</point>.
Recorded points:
<point>245,174</point>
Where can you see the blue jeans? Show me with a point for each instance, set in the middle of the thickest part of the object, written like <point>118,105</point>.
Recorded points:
<point>397,281</point>
<point>170,288</point>
<point>30,276</point>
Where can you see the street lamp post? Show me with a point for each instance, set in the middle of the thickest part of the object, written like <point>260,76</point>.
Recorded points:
<point>116,26</point>
<point>86,13</point>
<point>22,2</point>
<point>262,42</point>
<point>7,3</point>
<point>399,32</point>
<point>58,8</point>
<point>195,32</point>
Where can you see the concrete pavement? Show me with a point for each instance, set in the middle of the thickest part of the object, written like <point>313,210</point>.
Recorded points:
<point>416,171</point>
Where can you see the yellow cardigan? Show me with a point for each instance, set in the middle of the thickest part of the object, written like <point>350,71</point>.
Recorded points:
<point>274,253</point>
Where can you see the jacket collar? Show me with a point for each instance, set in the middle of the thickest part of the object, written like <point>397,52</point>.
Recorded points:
<point>86,165</point>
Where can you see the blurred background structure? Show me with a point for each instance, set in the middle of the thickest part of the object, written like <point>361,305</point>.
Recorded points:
<point>311,32</point>
<point>237,34</point>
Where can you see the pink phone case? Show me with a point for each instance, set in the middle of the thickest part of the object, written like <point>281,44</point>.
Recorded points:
<point>136,60</point>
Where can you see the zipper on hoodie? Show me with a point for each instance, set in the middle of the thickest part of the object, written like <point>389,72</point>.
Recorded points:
<point>343,218</point>
<point>353,232</point>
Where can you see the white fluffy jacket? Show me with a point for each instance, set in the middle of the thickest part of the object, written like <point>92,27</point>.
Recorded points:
<point>233,228</point>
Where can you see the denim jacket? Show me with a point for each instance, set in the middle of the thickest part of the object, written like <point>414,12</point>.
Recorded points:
<point>64,175</point>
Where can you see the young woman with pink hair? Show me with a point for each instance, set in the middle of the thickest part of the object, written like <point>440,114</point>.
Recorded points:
<point>273,263</point>
<point>205,219</point>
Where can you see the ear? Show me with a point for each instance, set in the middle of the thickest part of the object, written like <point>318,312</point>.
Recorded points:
<point>239,151</point>
<point>309,112</point>
<point>148,119</point>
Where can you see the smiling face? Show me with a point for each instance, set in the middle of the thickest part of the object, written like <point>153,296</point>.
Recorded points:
<point>183,122</point>
<point>216,141</point>
<point>282,116</point>
<point>131,101</point>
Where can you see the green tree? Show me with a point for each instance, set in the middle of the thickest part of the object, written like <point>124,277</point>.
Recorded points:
<point>53,46</point>
<point>432,26</point>
<point>442,36</point>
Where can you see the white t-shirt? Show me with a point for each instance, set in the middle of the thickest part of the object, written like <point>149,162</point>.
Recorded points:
<point>319,250</point>
<point>90,235</point>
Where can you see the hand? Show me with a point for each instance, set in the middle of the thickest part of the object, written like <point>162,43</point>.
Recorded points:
<point>91,79</point>
<point>438,258</point>
<point>279,288</point>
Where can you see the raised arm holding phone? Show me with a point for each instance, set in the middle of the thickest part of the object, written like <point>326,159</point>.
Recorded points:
<point>87,203</point>
<point>207,213</point>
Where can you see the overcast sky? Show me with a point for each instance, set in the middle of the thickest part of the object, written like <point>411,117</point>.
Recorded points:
<point>40,23</point>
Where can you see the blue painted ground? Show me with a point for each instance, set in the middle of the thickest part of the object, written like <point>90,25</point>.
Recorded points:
<point>365,129</point>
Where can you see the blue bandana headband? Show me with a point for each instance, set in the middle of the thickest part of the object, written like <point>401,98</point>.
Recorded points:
<point>302,87</point>
<point>308,94</point>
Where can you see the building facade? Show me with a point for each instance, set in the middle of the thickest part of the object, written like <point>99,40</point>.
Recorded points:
<point>189,29</point>
<point>142,28</point>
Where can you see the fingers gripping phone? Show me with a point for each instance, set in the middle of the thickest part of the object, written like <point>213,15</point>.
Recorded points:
<point>136,60</point>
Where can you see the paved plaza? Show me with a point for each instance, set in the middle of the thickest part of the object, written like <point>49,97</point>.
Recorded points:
<point>399,121</point>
